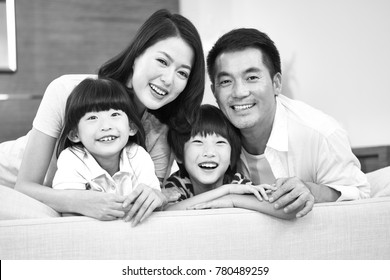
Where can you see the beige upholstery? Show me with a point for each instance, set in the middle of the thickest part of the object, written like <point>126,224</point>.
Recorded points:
<point>339,230</point>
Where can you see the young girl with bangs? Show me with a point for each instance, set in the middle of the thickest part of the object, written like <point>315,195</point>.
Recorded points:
<point>101,147</point>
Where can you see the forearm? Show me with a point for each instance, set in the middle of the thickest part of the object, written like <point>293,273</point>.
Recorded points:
<point>323,193</point>
<point>252,203</point>
<point>200,198</point>
<point>60,200</point>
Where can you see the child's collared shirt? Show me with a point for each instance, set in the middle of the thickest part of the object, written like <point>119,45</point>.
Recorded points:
<point>78,169</point>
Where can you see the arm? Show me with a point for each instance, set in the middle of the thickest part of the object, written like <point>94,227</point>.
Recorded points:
<point>147,195</point>
<point>257,190</point>
<point>337,177</point>
<point>35,163</point>
<point>293,194</point>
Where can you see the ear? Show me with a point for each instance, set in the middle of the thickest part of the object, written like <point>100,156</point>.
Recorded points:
<point>132,129</point>
<point>277,83</point>
<point>73,136</point>
<point>177,159</point>
<point>212,87</point>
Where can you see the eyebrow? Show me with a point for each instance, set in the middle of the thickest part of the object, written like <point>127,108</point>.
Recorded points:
<point>171,59</point>
<point>249,70</point>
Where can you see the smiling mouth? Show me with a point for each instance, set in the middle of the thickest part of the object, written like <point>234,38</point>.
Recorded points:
<point>107,138</point>
<point>208,165</point>
<point>238,108</point>
<point>158,90</point>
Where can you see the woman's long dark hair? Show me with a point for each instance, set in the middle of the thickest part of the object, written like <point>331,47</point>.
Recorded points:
<point>161,25</point>
<point>94,95</point>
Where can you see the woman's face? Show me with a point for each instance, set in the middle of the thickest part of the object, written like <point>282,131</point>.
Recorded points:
<point>161,73</point>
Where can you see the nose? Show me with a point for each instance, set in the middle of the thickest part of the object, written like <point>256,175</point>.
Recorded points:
<point>105,124</point>
<point>208,151</point>
<point>167,76</point>
<point>240,89</point>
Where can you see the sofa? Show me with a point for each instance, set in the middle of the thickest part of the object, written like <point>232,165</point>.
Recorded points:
<point>331,231</point>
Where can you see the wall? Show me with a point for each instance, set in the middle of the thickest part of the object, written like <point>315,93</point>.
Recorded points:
<point>56,37</point>
<point>334,54</point>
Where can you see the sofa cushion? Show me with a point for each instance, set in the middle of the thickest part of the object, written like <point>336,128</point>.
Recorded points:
<point>12,200</point>
<point>380,182</point>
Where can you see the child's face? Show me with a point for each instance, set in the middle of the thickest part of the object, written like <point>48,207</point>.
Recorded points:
<point>104,134</point>
<point>206,159</point>
<point>161,72</point>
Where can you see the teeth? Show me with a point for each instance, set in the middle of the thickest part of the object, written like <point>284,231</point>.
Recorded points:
<point>158,90</point>
<point>107,138</point>
<point>210,165</point>
<point>242,107</point>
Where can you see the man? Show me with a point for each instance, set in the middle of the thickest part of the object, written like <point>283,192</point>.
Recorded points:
<point>304,152</point>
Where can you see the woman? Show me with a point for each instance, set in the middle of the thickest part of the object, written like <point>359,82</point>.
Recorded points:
<point>164,69</point>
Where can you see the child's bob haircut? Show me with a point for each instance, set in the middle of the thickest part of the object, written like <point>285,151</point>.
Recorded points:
<point>209,120</point>
<point>94,95</point>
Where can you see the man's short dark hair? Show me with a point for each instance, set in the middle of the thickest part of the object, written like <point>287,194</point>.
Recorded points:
<point>240,39</point>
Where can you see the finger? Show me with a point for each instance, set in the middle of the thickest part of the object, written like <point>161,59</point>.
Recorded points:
<point>308,207</point>
<point>268,187</point>
<point>257,193</point>
<point>132,197</point>
<point>116,214</point>
<point>136,205</point>
<point>282,186</point>
<point>204,205</point>
<point>149,211</point>
<point>296,203</point>
<point>264,194</point>
<point>142,210</point>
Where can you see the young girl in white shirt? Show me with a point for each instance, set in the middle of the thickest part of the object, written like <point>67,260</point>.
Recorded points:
<point>101,146</point>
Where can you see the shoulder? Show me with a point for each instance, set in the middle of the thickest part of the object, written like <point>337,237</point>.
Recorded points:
<point>71,156</point>
<point>135,150</point>
<point>70,80</point>
<point>305,117</point>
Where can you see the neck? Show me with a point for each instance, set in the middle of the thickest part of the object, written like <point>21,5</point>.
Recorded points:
<point>255,139</point>
<point>141,108</point>
<point>111,164</point>
<point>201,188</point>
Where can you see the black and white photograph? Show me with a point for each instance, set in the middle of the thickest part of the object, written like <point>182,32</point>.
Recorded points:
<point>194,139</point>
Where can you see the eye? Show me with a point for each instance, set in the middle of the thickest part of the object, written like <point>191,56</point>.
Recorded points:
<point>162,61</point>
<point>115,114</point>
<point>225,82</point>
<point>184,74</point>
<point>91,118</point>
<point>252,78</point>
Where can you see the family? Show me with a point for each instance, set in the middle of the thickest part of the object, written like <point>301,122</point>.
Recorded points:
<point>103,145</point>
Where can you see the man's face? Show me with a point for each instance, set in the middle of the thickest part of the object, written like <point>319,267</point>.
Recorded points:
<point>244,89</point>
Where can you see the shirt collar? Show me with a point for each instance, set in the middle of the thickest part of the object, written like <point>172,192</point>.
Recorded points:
<point>94,167</point>
<point>278,139</point>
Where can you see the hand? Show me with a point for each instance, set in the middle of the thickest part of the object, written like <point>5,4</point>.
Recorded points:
<point>260,191</point>
<point>292,194</point>
<point>101,206</point>
<point>171,194</point>
<point>221,202</point>
<point>142,202</point>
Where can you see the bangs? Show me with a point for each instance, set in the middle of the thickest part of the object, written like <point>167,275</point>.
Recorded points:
<point>205,127</point>
<point>100,96</point>
<point>210,121</point>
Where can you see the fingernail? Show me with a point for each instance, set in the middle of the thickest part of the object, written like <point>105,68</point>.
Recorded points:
<point>276,205</point>
<point>271,199</point>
